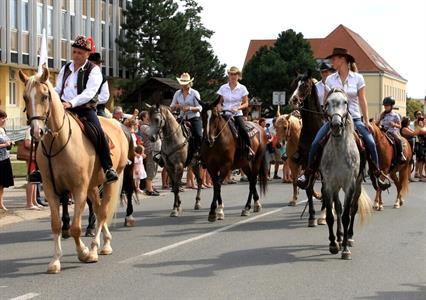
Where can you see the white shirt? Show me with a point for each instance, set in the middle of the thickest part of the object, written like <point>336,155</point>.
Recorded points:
<point>103,96</point>
<point>353,83</point>
<point>190,100</point>
<point>70,91</point>
<point>321,88</point>
<point>232,98</point>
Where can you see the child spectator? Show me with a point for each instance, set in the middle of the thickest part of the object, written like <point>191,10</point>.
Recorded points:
<point>138,168</point>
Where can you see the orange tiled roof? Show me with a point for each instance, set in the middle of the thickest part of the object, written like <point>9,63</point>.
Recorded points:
<point>368,60</point>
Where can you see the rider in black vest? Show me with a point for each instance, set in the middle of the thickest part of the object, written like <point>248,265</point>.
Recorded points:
<point>78,84</point>
<point>103,92</point>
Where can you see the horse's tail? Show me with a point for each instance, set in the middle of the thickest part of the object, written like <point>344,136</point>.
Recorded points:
<point>115,197</point>
<point>404,179</point>
<point>263,177</point>
<point>364,206</point>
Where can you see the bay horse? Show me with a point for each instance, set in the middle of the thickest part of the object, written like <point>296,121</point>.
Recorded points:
<point>288,128</point>
<point>342,168</point>
<point>220,156</point>
<point>174,151</point>
<point>305,99</point>
<point>68,164</point>
<point>400,173</point>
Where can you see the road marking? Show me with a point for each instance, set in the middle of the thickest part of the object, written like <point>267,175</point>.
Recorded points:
<point>26,296</point>
<point>3,286</point>
<point>202,236</point>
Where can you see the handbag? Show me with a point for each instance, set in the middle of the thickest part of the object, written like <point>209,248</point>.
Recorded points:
<point>23,153</point>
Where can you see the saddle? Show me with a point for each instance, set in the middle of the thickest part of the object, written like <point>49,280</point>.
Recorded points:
<point>84,126</point>
<point>251,129</point>
<point>357,136</point>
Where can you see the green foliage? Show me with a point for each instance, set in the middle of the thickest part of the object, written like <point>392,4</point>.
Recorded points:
<point>274,69</point>
<point>413,106</point>
<point>161,41</point>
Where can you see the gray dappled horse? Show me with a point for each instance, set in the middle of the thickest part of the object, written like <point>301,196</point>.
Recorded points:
<point>341,169</point>
<point>174,151</point>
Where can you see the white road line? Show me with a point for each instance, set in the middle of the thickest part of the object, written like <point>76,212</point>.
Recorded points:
<point>26,296</point>
<point>3,286</point>
<point>199,237</point>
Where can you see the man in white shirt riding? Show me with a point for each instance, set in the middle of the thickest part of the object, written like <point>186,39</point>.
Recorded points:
<point>78,84</point>
<point>103,93</point>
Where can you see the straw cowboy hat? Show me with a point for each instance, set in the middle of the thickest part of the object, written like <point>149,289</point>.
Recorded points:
<point>342,52</point>
<point>234,70</point>
<point>184,79</point>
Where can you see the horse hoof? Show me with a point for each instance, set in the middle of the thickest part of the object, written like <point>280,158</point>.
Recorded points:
<point>93,258</point>
<point>396,205</point>
<point>292,203</point>
<point>334,249</point>
<point>106,250</point>
<point>197,206</point>
<point>322,221</point>
<point>66,234</point>
<point>90,232</point>
<point>54,267</point>
<point>257,208</point>
<point>174,213</point>
<point>129,221</point>
<point>245,213</point>
<point>212,217</point>
<point>220,216</point>
<point>381,207</point>
<point>350,243</point>
<point>317,196</point>
<point>376,207</point>
<point>401,202</point>
<point>312,223</point>
<point>346,255</point>
<point>83,255</point>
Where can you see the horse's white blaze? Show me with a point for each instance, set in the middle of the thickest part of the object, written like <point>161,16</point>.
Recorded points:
<point>34,123</point>
<point>209,115</point>
<point>296,91</point>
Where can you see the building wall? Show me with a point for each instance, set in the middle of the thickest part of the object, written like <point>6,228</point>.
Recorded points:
<point>21,23</point>
<point>397,89</point>
<point>373,94</point>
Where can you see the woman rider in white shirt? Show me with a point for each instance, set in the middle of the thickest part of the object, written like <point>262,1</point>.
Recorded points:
<point>234,98</point>
<point>187,101</point>
<point>348,79</point>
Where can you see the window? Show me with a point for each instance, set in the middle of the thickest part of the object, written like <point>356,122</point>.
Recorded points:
<point>72,6</point>
<point>92,8</point>
<point>84,6</point>
<point>39,19</point>
<point>64,24</point>
<point>49,21</point>
<point>92,27</point>
<point>64,4</point>
<point>83,26</point>
<point>14,41</point>
<point>72,25</point>
<point>13,14</point>
<point>12,87</point>
<point>103,35</point>
<point>111,42</point>
<point>103,11</point>
<point>25,43</point>
<point>24,16</point>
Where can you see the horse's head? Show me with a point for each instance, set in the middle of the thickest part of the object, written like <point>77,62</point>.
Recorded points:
<point>283,126</point>
<point>211,117</point>
<point>337,111</point>
<point>302,85</point>
<point>157,121</point>
<point>37,99</point>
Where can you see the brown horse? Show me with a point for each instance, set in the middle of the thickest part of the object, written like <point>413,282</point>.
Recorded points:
<point>68,163</point>
<point>400,173</point>
<point>219,154</point>
<point>288,128</point>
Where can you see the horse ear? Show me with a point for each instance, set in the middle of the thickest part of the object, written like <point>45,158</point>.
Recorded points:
<point>287,116</point>
<point>23,77</point>
<point>45,76</point>
<point>157,105</point>
<point>148,105</point>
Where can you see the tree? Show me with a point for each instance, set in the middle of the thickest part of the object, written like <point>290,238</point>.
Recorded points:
<point>274,69</point>
<point>412,107</point>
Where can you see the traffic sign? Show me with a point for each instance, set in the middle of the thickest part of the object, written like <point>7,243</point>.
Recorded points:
<point>278,98</point>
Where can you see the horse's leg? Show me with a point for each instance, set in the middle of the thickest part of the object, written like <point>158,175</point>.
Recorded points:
<point>349,203</point>
<point>102,217</point>
<point>216,191</point>
<point>196,171</point>
<point>398,185</point>
<point>90,229</point>
<point>55,222</point>
<point>338,211</point>
<point>95,203</point>
<point>354,209</point>
<point>65,216</point>
<point>175,177</point>
<point>129,221</point>
<point>257,206</point>
<point>312,221</point>
<point>250,177</point>
<point>333,247</point>
<point>295,169</point>
<point>322,218</point>
<point>80,197</point>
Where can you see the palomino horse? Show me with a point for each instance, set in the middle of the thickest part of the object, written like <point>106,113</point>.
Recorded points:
<point>288,128</point>
<point>68,163</point>
<point>342,169</point>
<point>174,151</point>
<point>400,173</point>
<point>219,155</point>
<point>305,98</point>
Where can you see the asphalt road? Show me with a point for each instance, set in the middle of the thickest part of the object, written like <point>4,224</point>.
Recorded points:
<point>269,255</point>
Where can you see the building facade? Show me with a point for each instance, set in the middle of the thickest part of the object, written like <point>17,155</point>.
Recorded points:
<point>21,26</point>
<point>380,78</point>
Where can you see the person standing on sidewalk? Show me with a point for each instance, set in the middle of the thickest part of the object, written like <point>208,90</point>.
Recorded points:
<point>6,175</point>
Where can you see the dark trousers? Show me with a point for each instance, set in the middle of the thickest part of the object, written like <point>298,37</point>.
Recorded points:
<point>95,133</point>
<point>100,110</point>
<point>197,132</point>
<point>239,121</point>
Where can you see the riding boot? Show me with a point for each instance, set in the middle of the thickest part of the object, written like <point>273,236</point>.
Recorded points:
<point>383,184</point>
<point>306,180</point>
<point>401,157</point>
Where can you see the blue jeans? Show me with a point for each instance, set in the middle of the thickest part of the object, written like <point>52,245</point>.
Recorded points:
<point>367,138</point>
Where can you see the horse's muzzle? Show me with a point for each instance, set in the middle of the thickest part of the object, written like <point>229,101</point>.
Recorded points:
<point>153,138</point>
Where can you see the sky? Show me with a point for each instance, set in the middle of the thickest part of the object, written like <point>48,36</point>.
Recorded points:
<point>395,29</point>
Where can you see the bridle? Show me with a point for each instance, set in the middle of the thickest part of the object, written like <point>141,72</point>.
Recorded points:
<point>227,120</point>
<point>343,117</point>
<point>301,101</point>
<point>48,153</point>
